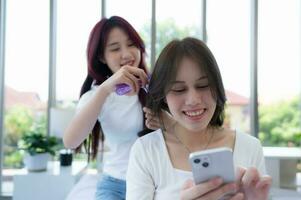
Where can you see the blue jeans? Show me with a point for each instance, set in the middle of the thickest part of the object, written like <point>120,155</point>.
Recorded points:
<point>109,188</point>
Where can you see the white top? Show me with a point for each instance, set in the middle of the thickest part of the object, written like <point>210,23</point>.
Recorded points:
<point>121,119</point>
<point>151,174</point>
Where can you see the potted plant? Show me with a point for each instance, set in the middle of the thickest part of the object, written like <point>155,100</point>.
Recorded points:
<point>38,149</point>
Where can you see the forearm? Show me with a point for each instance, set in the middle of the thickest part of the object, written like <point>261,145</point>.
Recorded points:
<point>84,120</point>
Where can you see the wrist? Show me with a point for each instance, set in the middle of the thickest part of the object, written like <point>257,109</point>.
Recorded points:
<point>105,90</point>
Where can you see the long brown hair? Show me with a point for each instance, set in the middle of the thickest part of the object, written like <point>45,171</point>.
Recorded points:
<point>98,71</point>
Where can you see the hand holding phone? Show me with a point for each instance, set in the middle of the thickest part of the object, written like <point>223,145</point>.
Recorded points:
<point>212,163</point>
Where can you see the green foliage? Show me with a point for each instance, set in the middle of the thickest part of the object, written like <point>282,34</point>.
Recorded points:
<point>18,121</point>
<point>280,123</point>
<point>14,160</point>
<point>36,142</point>
<point>167,30</point>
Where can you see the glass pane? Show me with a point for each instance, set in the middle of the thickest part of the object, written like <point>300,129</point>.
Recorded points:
<point>228,29</point>
<point>139,16</point>
<point>279,72</point>
<point>75,20</point>
<point>181,20</point>
<point>26,78</point>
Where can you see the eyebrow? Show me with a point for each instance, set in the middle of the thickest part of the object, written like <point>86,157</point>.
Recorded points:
<point>116,43</point>
<point>201,78</point>
<point>112,44</point>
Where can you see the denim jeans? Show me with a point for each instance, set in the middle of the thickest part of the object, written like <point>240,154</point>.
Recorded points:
<point>109,188</point>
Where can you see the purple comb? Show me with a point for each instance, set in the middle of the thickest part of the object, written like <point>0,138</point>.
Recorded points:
<point>123,88</point>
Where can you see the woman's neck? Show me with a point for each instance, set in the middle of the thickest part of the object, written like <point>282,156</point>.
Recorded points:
<point>194,141</point>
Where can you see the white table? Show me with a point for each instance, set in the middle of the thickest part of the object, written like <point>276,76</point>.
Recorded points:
<point>55,183</point>
<point>281,164</point>
<point>284,194</point>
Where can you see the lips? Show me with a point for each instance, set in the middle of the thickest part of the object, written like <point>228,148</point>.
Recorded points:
<point>130,63</point>
<point>195,114</point>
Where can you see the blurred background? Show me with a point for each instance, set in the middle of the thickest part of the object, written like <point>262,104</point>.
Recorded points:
<point>257,44</point>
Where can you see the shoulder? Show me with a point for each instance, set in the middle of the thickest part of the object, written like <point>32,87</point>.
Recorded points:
<point>86,97</point>
<point>147,152</point>
<point>151,139</point>
<point>149,143</point>
<point>247,139</point>
<point>247,144</point>
<point>248,152</point>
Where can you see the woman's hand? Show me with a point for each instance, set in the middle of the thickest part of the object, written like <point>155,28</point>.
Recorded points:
<point>132,76</point>
<point>252,184</point>
<point>153,122</point>
<point>212,189</point>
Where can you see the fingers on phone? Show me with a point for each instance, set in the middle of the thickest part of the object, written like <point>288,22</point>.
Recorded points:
<point>251,177</point>
<point>265,181</point>
<point>212,189</point>
<point>188,184</point>
<point>187,189</point>
<point>239,173</point>
<point>220,191</point>
<point>203,188</point>
<point>238,196</point>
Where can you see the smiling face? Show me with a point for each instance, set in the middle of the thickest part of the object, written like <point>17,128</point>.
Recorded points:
<point>120,51</point>
<point>189,99</point>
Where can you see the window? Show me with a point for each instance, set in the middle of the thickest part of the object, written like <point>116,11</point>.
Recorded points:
<point>26,78</point>
<point>182,19</point>
<point>75,20</point>
<point>279,72</point>
<point>228,29</point>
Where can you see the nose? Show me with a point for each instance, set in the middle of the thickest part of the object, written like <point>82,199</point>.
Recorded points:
<point>193,97</point>
<point>125,53</point>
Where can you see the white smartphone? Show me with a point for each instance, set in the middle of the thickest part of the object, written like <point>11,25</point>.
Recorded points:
<point>212,163</point>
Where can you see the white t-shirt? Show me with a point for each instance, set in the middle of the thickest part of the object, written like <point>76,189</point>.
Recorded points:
<point>121,119</point>
<point>151,174</point>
